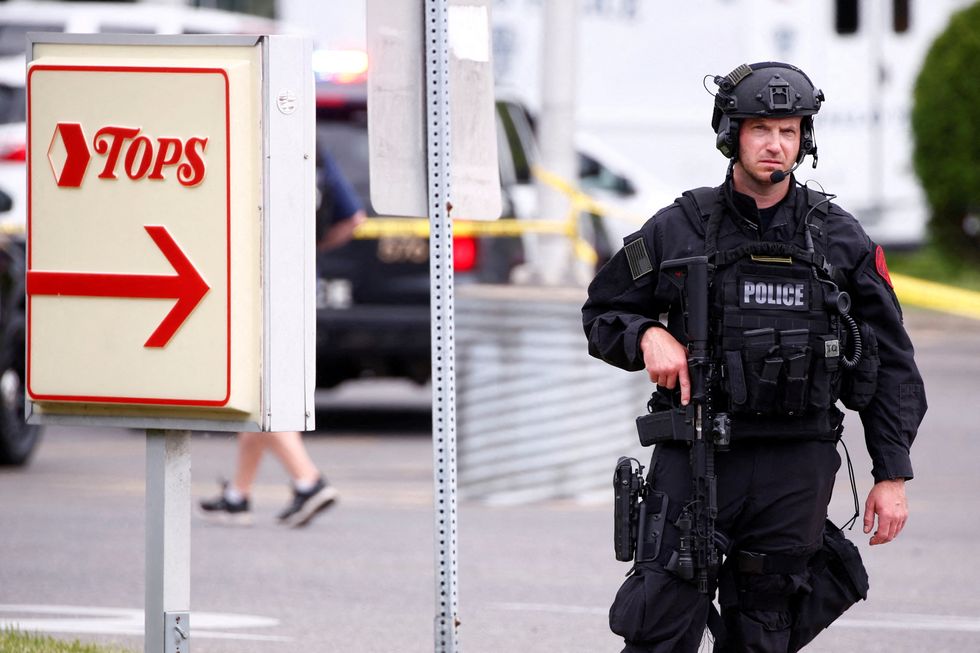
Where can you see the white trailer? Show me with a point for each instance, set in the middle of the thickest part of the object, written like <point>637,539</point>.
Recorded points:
<point>640,88</point>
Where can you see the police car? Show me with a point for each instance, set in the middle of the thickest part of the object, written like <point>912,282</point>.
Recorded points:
<point>373,311</point>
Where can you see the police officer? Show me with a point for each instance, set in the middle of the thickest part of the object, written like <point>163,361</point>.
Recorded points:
<point>784,262</point>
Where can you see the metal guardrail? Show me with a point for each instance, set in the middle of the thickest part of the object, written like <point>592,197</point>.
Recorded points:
<point>538,418</point>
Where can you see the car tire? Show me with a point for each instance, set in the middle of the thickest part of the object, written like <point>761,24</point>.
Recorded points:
<point>18,439</point>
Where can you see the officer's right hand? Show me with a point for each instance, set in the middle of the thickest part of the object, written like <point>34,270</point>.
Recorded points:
<point>665,360</point>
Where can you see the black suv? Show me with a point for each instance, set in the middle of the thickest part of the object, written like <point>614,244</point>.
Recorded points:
<point>373,311</point>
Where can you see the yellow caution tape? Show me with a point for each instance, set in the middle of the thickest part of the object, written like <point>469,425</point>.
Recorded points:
<point>419,227</point>
<point>928,294</point>
<point>12,229</point>
<point>580,202</point>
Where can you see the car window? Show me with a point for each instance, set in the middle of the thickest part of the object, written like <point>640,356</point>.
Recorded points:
<point>593,175</point>
<point>515,131</point>
<point>13,104</point>
<point>13,36</point>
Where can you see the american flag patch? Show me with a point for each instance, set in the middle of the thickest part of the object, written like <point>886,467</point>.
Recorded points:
<point>639,260</point>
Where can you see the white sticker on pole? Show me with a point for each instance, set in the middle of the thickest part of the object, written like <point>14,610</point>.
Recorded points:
<point>469,32</point>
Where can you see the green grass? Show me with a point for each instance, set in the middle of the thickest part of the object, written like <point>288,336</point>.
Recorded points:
<point>13,641</point>
<point>934,265</point>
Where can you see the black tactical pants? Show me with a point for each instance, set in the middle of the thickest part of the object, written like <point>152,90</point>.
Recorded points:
<point>772,499</point>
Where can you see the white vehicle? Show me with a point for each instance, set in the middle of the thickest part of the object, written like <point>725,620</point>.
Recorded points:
<point>640,86</point>
<point>18,17</point>
<point>13,140</point>
<point>623,192</point>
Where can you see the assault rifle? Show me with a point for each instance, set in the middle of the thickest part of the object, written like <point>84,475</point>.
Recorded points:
<point>704,429</point>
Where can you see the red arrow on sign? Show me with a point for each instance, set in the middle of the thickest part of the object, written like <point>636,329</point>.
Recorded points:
<point>187,286</point>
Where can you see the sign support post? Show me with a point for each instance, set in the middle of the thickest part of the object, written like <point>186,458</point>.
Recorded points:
<point>443,347</point>
<point>431,108</point>
<point>168,541</point>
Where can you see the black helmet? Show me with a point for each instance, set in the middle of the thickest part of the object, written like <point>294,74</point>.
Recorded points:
<point>764,90</point>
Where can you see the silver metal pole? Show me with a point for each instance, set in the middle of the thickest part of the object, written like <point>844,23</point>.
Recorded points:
<point>168,541</point>
<point>559,55</point>
<point>436,52</point>
<point>876,131</point>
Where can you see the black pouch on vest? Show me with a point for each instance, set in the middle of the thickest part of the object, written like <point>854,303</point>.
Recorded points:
<point>837,580</point>
<point>761,365</point>
<point>858,385</point>
<point>795,349</point>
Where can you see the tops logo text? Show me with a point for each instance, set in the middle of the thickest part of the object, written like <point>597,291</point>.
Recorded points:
<point>125,151</point>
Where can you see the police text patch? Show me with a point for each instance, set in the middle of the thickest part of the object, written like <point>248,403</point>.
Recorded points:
<point>770,293</point>
<point>639,260</point>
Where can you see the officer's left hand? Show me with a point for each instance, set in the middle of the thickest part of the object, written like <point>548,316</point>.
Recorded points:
<point>887,501</point>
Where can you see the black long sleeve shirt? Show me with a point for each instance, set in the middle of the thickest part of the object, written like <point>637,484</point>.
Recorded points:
<point>620,308</point>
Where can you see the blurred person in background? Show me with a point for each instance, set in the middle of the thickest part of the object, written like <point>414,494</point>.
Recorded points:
<point>783,344</point>
<point>338,213</point>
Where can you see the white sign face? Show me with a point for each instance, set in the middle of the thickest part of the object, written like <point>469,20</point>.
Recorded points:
<point>130,227</point>
<point>397,112</point>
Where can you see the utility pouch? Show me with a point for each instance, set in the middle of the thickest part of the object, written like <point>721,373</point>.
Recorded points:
<point>794,345</point>
<point>653,516</point>
<point>858,385</point>
<point>837,580</point>
<point>761,365</point>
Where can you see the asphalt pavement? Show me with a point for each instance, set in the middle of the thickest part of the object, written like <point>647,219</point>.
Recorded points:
<point>535,577</point>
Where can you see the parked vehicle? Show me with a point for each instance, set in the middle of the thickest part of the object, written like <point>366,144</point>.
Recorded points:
<point>373,315</point>
<point>373,311</point>
<point>13,140</point>
<point>17,437</point>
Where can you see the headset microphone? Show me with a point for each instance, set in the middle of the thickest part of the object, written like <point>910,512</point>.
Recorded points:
<point>778,175</point>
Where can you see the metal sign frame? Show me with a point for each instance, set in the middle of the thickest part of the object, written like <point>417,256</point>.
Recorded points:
<point>286,346</point>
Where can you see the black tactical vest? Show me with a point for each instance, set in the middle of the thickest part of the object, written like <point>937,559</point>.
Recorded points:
<point>779,344</point>
<point>774,330</point>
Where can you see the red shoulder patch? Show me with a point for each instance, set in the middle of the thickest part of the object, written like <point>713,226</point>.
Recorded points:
<point>881,266</point>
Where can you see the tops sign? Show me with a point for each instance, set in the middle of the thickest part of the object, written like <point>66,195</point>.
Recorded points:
<point>130,224</point>
<point>170,231</point>
<point>141,156</point>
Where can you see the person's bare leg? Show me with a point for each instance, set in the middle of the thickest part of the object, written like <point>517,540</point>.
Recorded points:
<point>289,448</point>
<point>250,448</point>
